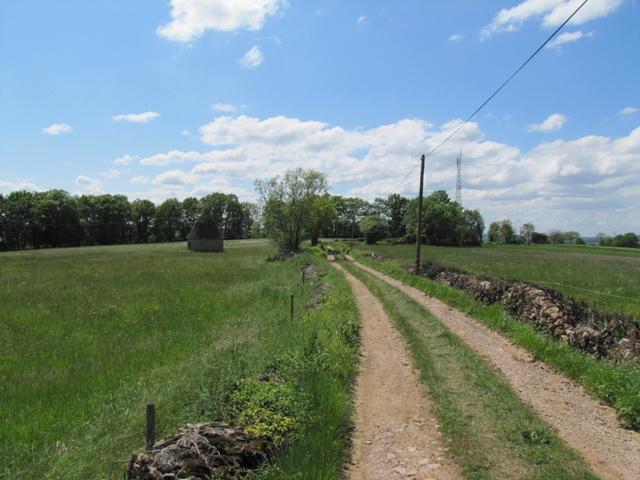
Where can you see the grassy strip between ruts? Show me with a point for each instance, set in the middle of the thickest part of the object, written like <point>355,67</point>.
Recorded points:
<point>618,384</point>
<point>90,334</point>
<point>491,433</point>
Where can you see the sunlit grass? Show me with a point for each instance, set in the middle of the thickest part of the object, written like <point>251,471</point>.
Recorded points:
<point>89,335</point>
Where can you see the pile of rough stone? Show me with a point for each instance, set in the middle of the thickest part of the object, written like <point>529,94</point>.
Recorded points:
<point>615,336</point>
<point>201,452</point>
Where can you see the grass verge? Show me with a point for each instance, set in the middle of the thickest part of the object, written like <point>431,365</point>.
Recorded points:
<point>491,433</point>
<point>89,335</point>
<point>618,384</point>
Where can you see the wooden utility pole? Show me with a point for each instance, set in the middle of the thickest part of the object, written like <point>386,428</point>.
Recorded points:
<point>419,230</point>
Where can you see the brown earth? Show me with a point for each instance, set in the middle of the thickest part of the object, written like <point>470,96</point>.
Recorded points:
<point>582,422</point>
<point>396,432</point>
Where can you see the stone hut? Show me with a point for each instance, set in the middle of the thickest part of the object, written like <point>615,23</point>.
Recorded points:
<point>205,236</point>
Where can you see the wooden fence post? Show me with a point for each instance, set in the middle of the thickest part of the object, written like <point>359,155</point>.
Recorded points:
<point>150,436</point>
<point>291,307</point>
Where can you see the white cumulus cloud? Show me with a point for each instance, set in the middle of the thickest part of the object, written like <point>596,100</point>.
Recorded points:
<point>174,177</point>
<point>224,107</point>
<point>140,180</point>
<point>551,13</point>
<point>8,187</point>
<point>253,58</point>
<point>567,184</point>
<point>111,174</point>
<point>144,117</point>
<point>88,184</point>
<point>126,159</point>
<point>628,110</point>
<point>191,18</point>
<point>456,37</point>
<point>552,123</point>
<point>568,37</point>
<point>57,129</point>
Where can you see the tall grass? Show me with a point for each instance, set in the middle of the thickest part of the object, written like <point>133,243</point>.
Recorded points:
<point>89,335</point>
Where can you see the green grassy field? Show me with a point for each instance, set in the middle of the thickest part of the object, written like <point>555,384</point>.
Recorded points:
<point>604,277</point>
<point>89,335</point>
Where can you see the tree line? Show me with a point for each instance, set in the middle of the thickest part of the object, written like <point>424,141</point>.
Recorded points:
<point>502,231</point>
<point>298,206</point>
<point>292,208</point>
<point>55,218</point>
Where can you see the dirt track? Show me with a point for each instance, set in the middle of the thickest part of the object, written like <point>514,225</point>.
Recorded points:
<point>396,433</point>
<point>584,423</point>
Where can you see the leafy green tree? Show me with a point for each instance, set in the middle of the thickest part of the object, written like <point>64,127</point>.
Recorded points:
<point>250,218</point>
<point>507,234</point>
<point>349,211</point>
<point>539,238</point>
<point>374,228</point>
<point>190,213</point>
<point>494,232</point>
<point>443,220</point>
<point>227,211</point>
<point>526,231</point>
<point>321,215</point>
<point>143,215</point>
<point>501,231</point>
<point>286,203</point>
<point>556,236</point>
<point>234,218</point>
<point>105,218</point>
<point>474,228</point>
<point>629,240</point>
<point>56,220</point>
<point>571,236</point>
<point>19,212</point>
<point>393,209</point>
<point>169,221</point>
<point>3,223</point>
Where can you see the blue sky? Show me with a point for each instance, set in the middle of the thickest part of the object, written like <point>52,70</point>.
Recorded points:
<point>157,99</point>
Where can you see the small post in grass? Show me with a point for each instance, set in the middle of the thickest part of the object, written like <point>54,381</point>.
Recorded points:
<point>292,307</point>
<point>150,436</point>
<point>303,272</point>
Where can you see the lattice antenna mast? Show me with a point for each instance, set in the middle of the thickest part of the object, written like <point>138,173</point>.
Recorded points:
<point>459,179</point>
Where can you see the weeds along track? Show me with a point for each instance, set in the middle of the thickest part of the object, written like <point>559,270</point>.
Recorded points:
<point>604,335</point>
<point>586,425</point>
<point>396,433</point>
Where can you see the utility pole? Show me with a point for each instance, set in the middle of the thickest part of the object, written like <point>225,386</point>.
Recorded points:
<point>459,179</point>
<point>419,230</point>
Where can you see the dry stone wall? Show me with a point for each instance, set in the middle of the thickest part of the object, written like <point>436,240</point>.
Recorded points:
<point>615,336</point>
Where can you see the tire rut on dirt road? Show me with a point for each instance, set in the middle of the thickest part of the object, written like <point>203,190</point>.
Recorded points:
<point>396,432</point>
<point>583,423</point>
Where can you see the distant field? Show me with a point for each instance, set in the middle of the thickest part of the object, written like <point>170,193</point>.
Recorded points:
<point>605,277</point>
<point>89,335</point>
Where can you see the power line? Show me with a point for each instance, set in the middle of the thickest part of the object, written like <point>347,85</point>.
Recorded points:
<point>504,84</point>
